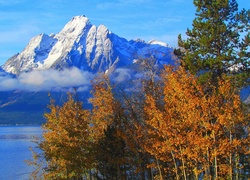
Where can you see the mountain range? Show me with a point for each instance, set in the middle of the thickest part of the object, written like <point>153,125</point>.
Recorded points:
<point>54,63</point>
<point>85,46</point>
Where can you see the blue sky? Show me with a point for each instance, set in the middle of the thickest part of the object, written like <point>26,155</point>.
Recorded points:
<point>163,20</point>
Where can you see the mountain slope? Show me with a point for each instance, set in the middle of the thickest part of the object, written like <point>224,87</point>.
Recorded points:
<point>79,44</point>
<point>20,108</point>
<point>85,46</point>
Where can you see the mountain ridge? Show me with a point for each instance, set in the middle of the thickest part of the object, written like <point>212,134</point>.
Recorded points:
<point>85,46</point>
<point>57,62</point>
<point>52,63</point>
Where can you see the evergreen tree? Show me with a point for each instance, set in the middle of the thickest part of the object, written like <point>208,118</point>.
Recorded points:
<point>110,157</point>
<point>218,43</point>
<point>111,152</point>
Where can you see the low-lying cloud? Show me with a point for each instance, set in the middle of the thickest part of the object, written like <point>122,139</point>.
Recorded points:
<point>47,80</point>
<point>121,75</point>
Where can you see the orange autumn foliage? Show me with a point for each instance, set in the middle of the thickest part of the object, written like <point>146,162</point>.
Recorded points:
<point>103,105</point>
<point>195,131</point>
<point>167,127</point>
<point>66,144</point>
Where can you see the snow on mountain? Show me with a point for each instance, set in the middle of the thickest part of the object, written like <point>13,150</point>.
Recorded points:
<point>32,56</point>
<point>85,46</point>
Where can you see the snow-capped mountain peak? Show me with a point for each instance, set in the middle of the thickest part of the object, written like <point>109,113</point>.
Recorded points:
<point>75,27</point>
<point>85,46</point>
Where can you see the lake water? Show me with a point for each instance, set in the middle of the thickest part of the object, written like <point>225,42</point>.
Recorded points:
<point>14,149</point>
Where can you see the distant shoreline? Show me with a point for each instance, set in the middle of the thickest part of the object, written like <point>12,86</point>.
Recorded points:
<point>2,125</point>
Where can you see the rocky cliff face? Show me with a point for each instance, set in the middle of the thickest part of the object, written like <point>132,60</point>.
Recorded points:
<point>85,46</point>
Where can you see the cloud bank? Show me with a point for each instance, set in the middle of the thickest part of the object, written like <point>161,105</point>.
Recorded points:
<point>47,80</point>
